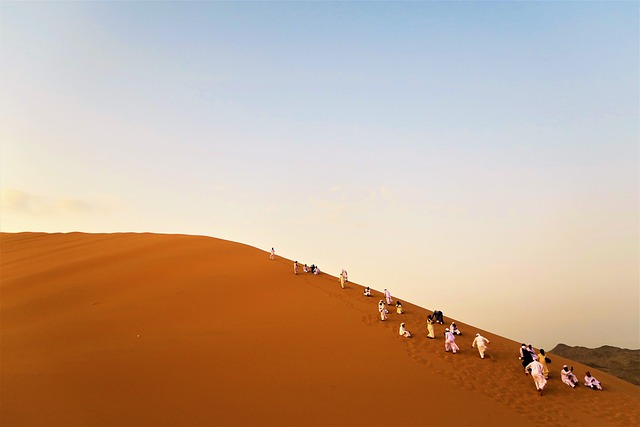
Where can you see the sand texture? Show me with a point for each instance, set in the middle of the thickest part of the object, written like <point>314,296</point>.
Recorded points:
<point>160,330</point>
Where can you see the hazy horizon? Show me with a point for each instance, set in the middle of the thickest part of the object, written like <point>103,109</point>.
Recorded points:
<point>481,158</point>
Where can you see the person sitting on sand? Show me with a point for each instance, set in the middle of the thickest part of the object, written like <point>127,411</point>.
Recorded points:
<point>403,332</point>
<point>535,369</point>
<point>383,310</point>
<point>454,329</point>
<point>450,341</point>
<point>399,308</point>
<point>592,382</point>
<point>481,342</point>
<point>367,292</point>
<point>305,268</point>
<point>315,269</point>
<point>387,296</point>
<point>430,322</point>
<point>568,377</point>
<point>438,317</point>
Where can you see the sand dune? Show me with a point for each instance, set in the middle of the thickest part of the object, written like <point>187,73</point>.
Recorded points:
<point>153,330</point>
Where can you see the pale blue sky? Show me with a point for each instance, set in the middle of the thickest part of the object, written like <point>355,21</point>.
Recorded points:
<point>477,157</point>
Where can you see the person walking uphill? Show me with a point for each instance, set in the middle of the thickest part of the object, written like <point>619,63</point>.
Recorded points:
<point>525,355</point>
<point>481,342</point>
<point>383,310</point>
<point>543,359</point>
<point>430,323</point>
<point>450,342</point>
<point>342,280</point>
<point>272,255</point>
<point>535,369</point>
<point>387,296</point>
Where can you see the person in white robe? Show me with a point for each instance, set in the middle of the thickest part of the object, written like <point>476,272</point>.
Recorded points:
<point>272,255</point>
<point>403,332</point>
<point>535,369</point>
<point>383,310</point>
<point>454,329</point>
<point>568,377</point>
<point>342,280</point>
<point>481,342</point>
<point>450,342</point>
<point>346,276</point>
<point>387,296</point>
<point>295,268</point>
<point>305,268</point>
<point>592,382</point>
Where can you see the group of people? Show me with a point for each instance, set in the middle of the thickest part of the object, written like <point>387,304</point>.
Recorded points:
<point>450,333</point>
<point>382,309</point>
<point>536,365</point>
<point>305,268</point>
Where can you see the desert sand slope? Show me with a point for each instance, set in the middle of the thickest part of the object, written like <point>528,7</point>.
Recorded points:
<point>143,329</point>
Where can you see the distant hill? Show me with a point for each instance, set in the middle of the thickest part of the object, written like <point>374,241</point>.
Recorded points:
<point>619,362</point>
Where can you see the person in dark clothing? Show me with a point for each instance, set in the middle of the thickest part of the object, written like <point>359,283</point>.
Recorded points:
<point>525,355</point>
<point>438,317</point>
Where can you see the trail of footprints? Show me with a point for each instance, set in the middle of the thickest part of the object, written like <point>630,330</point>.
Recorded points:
<point>511,391</point>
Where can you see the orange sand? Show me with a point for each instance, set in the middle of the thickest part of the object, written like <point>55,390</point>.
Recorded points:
<point>156,330</point>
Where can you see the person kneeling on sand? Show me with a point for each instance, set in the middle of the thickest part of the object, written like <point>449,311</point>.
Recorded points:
<point>383,310</point>
<point>592,382</point>
<point>535,369</point>
<point>481,342</point>
<point>454,329</point>
<point>568,377</point>
<point>450,342</point>
<point>367,292</point>
<point>403,332</point>
<point>399,308</point>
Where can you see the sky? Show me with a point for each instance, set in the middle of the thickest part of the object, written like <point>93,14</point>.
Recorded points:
<point>481,158</point>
